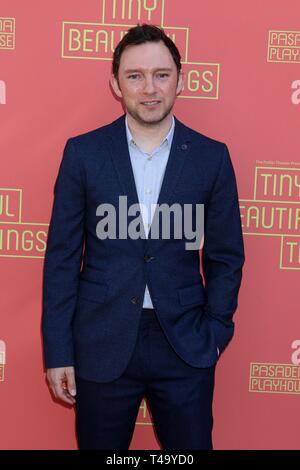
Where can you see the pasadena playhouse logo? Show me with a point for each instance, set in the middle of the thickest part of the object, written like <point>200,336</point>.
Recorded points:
<point>97,41</point>
<point>7,33</point>
<point>284,46</point>
<point>2,359</point>
<point>274,210</point>
<point>274,378</point>
<point>19,239</point>
<point>277,378</point>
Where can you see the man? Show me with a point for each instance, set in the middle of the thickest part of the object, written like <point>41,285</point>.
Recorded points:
<point>127,317</point>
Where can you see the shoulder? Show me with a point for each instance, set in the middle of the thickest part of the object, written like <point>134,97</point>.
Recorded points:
<point>197,137</point>
<point>204,149</point>
<point>96,137</point>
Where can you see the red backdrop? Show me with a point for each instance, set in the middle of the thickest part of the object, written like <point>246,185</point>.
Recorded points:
<point>242,86</point>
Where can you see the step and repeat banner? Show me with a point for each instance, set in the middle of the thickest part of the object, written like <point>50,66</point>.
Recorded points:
<point>242,87</point>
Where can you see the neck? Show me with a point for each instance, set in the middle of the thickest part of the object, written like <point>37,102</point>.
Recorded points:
<point>150,136</point>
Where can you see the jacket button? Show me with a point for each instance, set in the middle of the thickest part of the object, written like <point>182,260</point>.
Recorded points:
<point>148,258</point>
<point>184,147</point>
<point>135,300</point>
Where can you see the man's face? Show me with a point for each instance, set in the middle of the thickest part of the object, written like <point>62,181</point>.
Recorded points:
<point>148,82</point>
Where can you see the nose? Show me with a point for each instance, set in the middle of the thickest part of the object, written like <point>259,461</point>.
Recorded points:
<point>149,87</point>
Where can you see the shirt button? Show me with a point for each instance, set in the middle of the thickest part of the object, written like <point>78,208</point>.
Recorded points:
<point>148,191</point>
<point>149,158</point>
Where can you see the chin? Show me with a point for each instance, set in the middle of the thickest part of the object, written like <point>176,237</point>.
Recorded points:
<point>153,119</point>
<point>147,118</point>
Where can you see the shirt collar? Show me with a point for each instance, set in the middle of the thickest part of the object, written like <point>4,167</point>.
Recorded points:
<point>168,138</point>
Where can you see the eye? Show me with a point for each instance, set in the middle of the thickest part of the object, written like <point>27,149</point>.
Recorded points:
<point>133,76</point>
<point>163,75</point>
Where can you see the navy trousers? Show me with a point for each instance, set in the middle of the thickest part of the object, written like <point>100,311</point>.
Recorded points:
<point>178,395</point>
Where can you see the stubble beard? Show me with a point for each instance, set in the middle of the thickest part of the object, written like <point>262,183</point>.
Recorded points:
<point>151,122</point>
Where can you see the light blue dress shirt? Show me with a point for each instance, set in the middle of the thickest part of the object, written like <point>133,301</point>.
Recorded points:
<point>149,170</point>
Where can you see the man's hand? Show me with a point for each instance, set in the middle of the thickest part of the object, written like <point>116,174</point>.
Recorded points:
<point>62,383</point>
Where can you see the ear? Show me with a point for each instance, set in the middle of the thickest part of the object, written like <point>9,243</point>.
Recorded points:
<point>115,86</point>
<point>180,83</point>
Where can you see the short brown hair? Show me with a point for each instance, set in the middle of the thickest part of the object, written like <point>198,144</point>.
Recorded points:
<point>139,35</point>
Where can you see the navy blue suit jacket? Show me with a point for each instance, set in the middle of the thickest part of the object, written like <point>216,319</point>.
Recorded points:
<point>93,289</point>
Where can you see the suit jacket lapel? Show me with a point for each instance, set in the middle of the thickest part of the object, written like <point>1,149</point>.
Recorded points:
<point>179,150</point>
<point>178,153</point>
<point>121,159</point>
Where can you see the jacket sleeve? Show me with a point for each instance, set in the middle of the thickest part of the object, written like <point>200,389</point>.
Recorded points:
<point>223,252</point>
<point>63,260</point>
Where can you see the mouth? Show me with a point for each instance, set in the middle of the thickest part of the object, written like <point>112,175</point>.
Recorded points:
<point>150,102</point>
